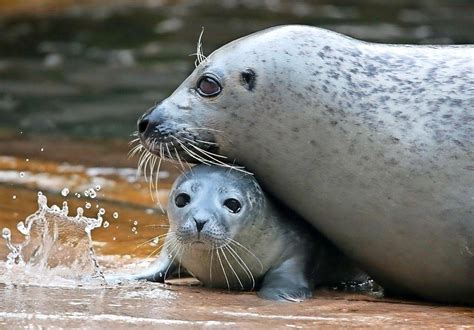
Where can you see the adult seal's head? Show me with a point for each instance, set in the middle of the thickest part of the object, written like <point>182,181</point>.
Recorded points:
<point>379,139</point>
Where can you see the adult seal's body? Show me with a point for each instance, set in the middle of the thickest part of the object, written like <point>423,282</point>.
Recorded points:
<point>379,139</point>
<point>228,234</point>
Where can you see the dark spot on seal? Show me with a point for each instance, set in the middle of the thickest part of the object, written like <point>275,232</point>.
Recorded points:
<point>248,79</point>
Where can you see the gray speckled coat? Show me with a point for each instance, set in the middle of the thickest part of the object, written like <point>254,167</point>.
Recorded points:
<point>373,144</point>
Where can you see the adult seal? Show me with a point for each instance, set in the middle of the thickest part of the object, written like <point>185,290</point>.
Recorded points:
<point>228,234</point>
<point>379,139</point>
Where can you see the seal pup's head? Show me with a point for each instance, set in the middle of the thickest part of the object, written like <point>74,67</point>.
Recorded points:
<point>210,205</point>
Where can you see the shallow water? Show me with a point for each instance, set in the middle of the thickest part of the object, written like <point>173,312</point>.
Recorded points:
<point>181,304</point>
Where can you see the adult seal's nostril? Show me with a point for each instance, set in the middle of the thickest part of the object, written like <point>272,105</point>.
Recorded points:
<point>143,125</point>
<point>200,224</point>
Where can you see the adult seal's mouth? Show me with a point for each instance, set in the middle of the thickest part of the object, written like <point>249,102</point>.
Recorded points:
<point>176,141</point>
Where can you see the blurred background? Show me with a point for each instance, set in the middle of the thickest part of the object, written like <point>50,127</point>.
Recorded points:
<point>89,68</point>
<point>76,75</point>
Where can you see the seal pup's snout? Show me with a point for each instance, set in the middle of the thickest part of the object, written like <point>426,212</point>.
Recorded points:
<point>200,223</point>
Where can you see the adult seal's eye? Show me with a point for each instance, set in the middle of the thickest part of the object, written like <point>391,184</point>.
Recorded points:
<point>233,205</point>
<point>181,200</point>
<point>208,86</point>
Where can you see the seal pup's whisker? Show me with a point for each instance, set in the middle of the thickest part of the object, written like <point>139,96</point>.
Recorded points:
<point>232,268</point>
<point>151,239</point>
<point>232,241</point>
<point>174,256</point>
<point>223,270</point>
<point>210,263</point>
<point>168,241</point>
<point>242,264</point>
<point>161,226</point>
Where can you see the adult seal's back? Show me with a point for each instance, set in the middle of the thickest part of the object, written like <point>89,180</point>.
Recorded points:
<point>379,140</point>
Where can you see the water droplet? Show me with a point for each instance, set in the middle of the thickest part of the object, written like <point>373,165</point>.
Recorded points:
<point>6,233</point>
<point>40,193</point>
<point>80,211</point>
<point>106,224</point>
<point>134,229</point>
<point>22,174</point>
<point>86,193</point>
<point>101,211</point>
<point>21,228</point>
<point>65,192</point>
<point>170,256</point>
<point>135,223</point>
<point>97,187</point>
<point>88,205</point>
<point>14,196</point>
<point>92,193</point>
<point>114,238</point>
<point>42,149</point>
<point>78,195</point>
<point>155,241</point>
<point>115,215</point>
<point>27,159</point>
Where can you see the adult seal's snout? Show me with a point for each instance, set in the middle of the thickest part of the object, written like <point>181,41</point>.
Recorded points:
<point>373,144</point>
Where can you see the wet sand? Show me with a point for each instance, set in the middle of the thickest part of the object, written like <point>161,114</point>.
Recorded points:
<point>120,248</point>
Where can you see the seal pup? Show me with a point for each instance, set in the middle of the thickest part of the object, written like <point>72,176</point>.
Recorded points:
<point>228,234</point>
<point>380,139</point>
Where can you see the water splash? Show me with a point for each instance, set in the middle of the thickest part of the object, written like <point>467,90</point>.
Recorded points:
<point>55,246</point>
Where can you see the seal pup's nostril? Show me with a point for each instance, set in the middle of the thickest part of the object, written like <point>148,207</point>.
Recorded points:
<point>143,125</point>
<point>200,224</point>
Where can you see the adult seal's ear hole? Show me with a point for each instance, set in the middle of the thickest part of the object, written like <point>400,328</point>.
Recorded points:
<point>248,79</point>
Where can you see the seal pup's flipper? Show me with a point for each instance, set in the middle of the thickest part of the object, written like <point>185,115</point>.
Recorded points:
<point>286,282</point>
<point>161,269</point>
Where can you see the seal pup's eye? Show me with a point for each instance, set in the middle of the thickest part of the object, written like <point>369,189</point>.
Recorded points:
<point>182,200</point>
<point>232,205</point>
<point>248,79</point>
<point>208,86</point>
